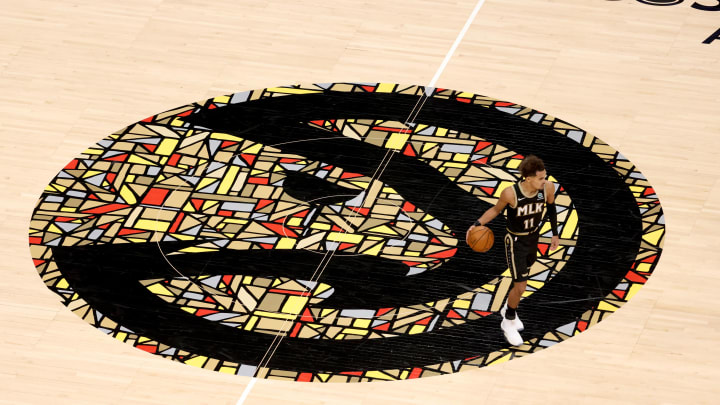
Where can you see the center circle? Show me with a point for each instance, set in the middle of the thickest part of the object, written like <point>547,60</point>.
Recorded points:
<point>192,220</point>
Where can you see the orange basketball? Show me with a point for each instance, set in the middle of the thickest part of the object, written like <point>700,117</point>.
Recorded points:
<point>480,239</point>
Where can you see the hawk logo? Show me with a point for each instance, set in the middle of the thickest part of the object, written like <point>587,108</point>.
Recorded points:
<point>316,214</point>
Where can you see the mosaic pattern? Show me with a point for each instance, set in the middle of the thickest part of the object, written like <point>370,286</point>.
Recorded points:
<point>165,180</point>
<point>476,165</point>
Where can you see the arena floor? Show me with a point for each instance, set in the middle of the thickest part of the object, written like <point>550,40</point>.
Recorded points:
<point>639,75</point>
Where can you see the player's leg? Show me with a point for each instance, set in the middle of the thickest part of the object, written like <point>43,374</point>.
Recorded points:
<point>517,255</point>
<point>526,256</point>
<point>514,296</point>
<point>525,253</point>
<point>515,251</point>
<point>516,292</point>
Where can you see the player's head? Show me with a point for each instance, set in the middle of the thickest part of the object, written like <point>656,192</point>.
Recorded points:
<point>532,169</point>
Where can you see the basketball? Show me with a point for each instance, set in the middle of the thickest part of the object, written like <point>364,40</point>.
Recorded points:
<point>480,239</point>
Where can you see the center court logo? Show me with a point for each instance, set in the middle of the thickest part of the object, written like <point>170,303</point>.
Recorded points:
<point>315,214</point>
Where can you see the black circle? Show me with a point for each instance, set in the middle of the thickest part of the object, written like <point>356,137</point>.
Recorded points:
<point>604,252</point>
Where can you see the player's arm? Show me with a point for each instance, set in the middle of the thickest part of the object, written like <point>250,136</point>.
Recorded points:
<point>552,214</point>
<point>507,196</point>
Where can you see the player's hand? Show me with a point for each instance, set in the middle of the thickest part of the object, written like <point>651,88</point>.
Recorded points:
<point>554,243</point>
<point>467,233</point>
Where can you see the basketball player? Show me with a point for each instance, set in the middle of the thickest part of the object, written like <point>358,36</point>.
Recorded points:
<point>525,202</point>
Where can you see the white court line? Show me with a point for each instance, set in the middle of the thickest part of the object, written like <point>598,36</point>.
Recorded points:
<point>454,46</point>
<point>428,91</point>
<point>246,391</point>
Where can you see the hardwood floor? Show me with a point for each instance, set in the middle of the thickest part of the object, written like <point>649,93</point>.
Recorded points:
<point>635,75</point>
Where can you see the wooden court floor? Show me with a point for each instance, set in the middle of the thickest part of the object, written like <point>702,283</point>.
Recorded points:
<point>636,75</point>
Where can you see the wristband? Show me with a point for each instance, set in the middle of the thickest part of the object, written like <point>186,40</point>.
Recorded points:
<point>552,214</point>
<point>477,223</point>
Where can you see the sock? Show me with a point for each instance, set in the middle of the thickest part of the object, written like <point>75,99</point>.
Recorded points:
<point>510,313</point>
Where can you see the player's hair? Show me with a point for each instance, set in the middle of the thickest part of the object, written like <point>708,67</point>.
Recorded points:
<point>531,165</point>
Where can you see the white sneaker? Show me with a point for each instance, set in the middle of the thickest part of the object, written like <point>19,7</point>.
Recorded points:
<point>511,334</point>
<point>517,323</point>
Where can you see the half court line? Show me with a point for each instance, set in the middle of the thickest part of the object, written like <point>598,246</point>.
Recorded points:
<point>428,92</point>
